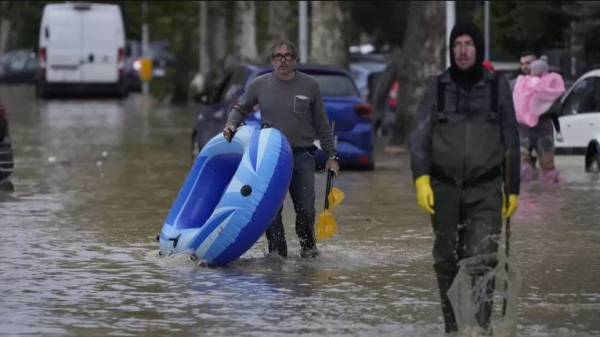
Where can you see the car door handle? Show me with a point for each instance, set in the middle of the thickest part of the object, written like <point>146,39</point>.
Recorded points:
<point>591,123</point>
<point>91,58</point>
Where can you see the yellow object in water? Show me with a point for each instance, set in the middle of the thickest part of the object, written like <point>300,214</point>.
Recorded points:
<point>145,69</point>
<point>335,197</point>
<point>326,225</point>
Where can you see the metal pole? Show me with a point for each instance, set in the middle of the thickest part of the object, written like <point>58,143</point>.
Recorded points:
<point>145,44</point>
<point>203,54</point>
<point>200,30</point>
<point>450,21</point>
<point>505,299</point>
<point>486,11</point>
<point>303,31</point>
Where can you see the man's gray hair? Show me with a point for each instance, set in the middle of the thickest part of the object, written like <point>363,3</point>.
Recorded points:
<point>278,44</point>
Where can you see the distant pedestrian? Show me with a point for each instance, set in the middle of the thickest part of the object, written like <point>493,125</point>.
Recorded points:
<point>525,61</point>
<point>534,95</point>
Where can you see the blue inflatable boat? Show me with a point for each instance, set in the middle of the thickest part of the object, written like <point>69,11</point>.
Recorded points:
<point>231,195</point>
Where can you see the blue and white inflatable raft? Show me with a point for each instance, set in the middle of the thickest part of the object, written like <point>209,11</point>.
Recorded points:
<point>230,196</point>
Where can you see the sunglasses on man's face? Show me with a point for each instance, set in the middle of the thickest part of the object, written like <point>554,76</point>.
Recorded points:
<point>287,56</point>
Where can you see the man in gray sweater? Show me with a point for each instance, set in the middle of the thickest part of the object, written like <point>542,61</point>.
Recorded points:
<point>291,102</point>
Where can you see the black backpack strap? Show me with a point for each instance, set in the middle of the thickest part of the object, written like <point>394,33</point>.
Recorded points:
<point>495,93</point>
<point>493,117</point>
<point>441,101</point>
<point>441,94</point>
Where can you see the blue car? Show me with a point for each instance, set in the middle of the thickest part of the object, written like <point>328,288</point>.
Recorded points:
<point>347,111</point>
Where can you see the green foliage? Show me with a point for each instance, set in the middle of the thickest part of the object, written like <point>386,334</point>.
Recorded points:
<point>585,30</point>
<point>384,20</point>
<point>517,26</point>
<point>26,29</point>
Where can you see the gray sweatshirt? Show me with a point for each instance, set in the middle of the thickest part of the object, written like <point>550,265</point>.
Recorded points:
<point>293,107</point>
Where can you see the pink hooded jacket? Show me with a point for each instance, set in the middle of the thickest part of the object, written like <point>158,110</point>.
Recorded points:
<point>534,95</point>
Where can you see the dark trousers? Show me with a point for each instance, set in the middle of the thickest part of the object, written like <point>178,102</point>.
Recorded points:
<point>302,192</point>
<point>467,223</point>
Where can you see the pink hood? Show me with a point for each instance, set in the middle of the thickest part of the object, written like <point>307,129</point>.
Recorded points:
<point>533,96</point>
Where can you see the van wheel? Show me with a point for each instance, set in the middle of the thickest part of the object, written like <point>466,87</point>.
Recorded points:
<point>594,164</point>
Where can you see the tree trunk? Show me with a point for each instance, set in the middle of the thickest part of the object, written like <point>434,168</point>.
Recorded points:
<point>328,43</point>
<point>280,14</point>
<point>182,71</point>
<point>5,26</point>
<point>4,34</point>
<point>204,59</point>
<point>423,55</point>
<point>245,31</point>
<point>218,41</point>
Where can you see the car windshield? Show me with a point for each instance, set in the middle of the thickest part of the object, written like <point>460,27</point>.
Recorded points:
<point>369,66</point>
<point>335,84</point>
<point>331,84</point>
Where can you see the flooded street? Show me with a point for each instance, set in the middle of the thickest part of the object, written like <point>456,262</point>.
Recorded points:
<point>95,179</point>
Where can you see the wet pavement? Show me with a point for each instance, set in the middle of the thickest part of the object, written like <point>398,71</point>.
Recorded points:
<point>94,181</point>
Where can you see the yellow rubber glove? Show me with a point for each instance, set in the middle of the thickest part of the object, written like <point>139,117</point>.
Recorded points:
<point>424,193</point>
<point>508,209</point>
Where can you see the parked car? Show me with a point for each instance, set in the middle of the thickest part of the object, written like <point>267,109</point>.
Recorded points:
<point>347,111</point>
<point>81,49</point>
<point>19,67</point>
<point>579,110</point>
<point>6,152</point>
<point>365,75</point>
<point>162,59</point>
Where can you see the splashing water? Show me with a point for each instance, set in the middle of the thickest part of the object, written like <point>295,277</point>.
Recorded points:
<point>471,293</point>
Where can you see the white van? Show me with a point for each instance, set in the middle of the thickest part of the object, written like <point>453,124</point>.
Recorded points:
<point>81,49</point>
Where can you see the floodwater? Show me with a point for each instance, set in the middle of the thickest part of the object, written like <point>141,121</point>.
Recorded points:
<point>94,181</point>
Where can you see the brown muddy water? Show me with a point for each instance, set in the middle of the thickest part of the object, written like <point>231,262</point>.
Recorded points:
<point>94,181</point>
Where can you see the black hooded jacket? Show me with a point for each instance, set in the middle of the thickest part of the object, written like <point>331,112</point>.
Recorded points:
<point>466,79</point>
<point>474,94</point>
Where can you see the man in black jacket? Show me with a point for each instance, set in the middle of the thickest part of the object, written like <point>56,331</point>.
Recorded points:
<point>465,151</point>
